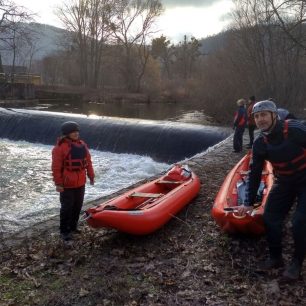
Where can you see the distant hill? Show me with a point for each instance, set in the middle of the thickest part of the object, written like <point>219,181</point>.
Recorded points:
<point>212,44</point>
<point>48,41</point>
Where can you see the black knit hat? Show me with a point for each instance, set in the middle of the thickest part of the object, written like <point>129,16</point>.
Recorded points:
<point>252,98</point>
<point>69,127</point>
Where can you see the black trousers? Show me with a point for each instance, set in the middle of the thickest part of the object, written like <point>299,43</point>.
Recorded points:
<point>71,203</point>
<point>251,129</point>
<point>238,138</point>
<point>281,199</point>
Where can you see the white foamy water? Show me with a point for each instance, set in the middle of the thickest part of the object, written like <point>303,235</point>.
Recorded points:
<point>27,192</point>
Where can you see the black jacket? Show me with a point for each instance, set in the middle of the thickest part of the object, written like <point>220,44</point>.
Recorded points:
<point>277,148</point>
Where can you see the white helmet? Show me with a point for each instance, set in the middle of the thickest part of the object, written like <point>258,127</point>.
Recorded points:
<point>264,106</point>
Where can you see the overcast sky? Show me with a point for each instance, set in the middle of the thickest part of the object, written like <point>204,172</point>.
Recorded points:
<point>198,18</point>
<point>194,18</point>
<point>193,3</point>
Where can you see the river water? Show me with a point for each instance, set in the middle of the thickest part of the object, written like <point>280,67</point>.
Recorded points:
<point>27,191</point>
<point>152,111</point>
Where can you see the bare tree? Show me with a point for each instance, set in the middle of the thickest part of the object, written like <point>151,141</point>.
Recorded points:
<point>187,52</point>
<point>8,11</point>
<point>162,50</point>
<point>133,26</point>
<point>13,29</point>
<point>260,51</point>
<point>291,16</point>
<point>28,55</point>
<point>90,23</point>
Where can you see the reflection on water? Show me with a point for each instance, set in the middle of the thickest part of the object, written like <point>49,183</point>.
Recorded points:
<point>152,111</point>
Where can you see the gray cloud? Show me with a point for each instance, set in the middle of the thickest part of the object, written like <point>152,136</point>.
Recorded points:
<point>193,3</point>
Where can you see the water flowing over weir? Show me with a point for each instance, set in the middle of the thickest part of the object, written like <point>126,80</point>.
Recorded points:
<point>162,140</point>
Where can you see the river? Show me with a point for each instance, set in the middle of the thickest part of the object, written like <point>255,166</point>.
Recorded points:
<point>27,191</point>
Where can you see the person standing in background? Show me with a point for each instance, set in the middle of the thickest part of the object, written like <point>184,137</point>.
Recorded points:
<point>251,121</point>
<point>71,161</point>
<point>284,114</point>
<point>240,121</point>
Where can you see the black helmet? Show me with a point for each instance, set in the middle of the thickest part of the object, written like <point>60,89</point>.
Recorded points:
<point>69,127</point>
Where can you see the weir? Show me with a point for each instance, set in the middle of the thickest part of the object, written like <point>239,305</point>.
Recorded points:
<point>162,140</point>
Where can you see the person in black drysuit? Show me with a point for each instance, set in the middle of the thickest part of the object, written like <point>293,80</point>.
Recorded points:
<point>251,122</point>
<point>283,143</point>
<point>240,121</point>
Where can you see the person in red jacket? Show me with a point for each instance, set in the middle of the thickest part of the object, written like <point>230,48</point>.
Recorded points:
<point>71,161</point>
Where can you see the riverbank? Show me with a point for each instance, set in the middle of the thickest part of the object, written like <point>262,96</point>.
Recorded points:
<point>187,262</point>
<point>9,103</point>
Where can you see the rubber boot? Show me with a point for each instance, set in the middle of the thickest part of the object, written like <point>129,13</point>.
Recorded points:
<point>293,271</point>
<point>271,263</point>
<point>66,236</point>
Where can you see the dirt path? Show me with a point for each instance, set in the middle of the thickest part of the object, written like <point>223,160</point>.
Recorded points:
<point>187,262</point>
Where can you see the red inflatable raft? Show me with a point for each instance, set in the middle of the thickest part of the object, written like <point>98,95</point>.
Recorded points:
<point>231,194</point>
<point>148,207</point>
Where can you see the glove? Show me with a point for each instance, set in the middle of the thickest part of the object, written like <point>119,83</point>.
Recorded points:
<point>92,182</point>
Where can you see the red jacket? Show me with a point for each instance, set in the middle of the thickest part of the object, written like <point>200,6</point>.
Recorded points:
<point>251,120</point>
<point>71,161</point>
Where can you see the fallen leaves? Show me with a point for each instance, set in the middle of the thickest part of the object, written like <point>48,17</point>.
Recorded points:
<point>177,265</point>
